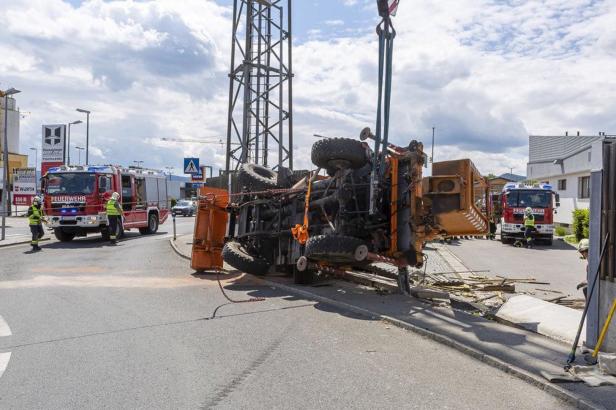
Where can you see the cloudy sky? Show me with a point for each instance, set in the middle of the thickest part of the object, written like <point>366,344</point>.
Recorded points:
<point>484,73</point>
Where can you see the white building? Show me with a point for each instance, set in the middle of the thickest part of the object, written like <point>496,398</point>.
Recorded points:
<point>564,161</point>
<point>13,125</point>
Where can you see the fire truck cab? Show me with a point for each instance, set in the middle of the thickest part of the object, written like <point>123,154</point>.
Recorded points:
<point>75,199</point>
<point>515,198</point>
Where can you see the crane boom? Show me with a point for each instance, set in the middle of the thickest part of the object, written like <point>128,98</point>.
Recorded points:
<point>189,140</point>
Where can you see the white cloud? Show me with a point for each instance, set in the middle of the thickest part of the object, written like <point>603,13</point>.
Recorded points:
<point>485,73</point>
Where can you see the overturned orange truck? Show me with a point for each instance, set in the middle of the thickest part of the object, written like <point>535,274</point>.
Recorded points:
<point>358,206</point>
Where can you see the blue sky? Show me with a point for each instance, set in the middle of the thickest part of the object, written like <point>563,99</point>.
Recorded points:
<point>485,73</point>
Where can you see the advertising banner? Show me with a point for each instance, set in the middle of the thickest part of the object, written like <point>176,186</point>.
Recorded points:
<point>53,146</point>
<point>24,185</point>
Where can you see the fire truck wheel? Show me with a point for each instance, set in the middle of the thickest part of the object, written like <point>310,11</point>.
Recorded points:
<point>336,248</point>
<point>63,236</point>
<point>235,255</point>
<point>152,225</point>
<point>257,177</point>
<point>338,153</point>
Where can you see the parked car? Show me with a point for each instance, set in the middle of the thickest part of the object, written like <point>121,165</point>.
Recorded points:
<point>184,207</point>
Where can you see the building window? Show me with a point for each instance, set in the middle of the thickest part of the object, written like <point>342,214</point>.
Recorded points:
<point>562,184</point>
<point>584,187</point>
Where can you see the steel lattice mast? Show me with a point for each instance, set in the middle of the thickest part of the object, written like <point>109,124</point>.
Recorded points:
<point>260,123</point>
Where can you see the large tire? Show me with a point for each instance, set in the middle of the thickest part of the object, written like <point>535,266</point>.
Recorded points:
<point>235,255</point>
<point>257,177</point>
<point>336,248</point>
<point>63,236</point>
<point>152,227</point>
<point>307,277</point>
<point>338,153</point>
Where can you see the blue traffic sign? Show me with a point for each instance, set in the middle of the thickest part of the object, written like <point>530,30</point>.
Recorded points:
<point>191,166</point>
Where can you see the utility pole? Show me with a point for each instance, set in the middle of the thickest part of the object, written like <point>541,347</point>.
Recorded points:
<point>5,159</point>
<point>432,156</point>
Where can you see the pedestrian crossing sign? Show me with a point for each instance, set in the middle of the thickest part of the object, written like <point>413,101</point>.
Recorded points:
<point>191,166</point>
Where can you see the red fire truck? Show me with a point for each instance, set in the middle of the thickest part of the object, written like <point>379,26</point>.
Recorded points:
<point>515,198</point>
<point>75,198</point>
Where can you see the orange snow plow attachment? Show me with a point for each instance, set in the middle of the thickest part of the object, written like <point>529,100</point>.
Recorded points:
<point>458,197</point>
<point>210,228</point>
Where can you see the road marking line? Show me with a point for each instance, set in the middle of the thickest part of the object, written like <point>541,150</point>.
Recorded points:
<point>4,361</point>
<point>5,330</point>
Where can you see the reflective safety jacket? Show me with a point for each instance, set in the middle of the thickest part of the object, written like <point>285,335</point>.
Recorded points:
<point>35,213</point>
<point>113,208</point>
<point>529,220</point>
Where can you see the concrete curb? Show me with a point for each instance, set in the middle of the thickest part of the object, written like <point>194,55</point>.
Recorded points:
<point>490,360</point>
<point>177,250</point>
<point>20,243</point>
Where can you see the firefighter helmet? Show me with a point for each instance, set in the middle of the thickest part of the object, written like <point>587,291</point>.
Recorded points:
<point>583,245</point>
<point>528,210</point>
<point>115,196</point>
<point>36,200</point>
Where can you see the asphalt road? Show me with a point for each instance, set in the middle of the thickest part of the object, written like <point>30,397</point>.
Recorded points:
<point>559,264</point>
<point>88,325</point>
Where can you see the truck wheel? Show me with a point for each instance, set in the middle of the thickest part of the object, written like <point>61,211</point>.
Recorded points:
<point>307,277</point>
<point>336,248</point>
<point>235,255</point>
<point>152,225</point>
<point>338,153</point>
<point>257,177</point>
<point>63,236</point>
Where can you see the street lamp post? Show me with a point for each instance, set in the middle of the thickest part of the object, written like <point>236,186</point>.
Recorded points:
<point>35,157</point>
<point>68,144</point>
<point>169,172</point>
<point>87,113</point>
<point>432,156</point>
<point>5,159</point>
<point>79,149</point>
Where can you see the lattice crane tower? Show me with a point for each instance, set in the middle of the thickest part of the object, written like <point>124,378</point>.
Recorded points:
<point>260,123</point>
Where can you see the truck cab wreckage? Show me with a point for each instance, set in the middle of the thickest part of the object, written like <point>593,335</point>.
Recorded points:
<point>367,201</point>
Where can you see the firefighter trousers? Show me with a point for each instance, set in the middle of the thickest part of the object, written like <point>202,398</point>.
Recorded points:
<point>37,233</point>
<point>528,233</point>
<point>115,221</point>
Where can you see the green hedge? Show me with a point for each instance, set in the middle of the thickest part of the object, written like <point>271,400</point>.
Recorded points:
<point>581,223</point>
<point>560,231</point>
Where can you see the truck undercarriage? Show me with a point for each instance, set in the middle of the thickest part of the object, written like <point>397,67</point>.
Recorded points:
<point>349,219</point>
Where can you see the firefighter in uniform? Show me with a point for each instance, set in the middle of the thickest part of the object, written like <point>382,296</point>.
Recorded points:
<point>35,219</point>
<point>529,226</point>
<point>114,216</point>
